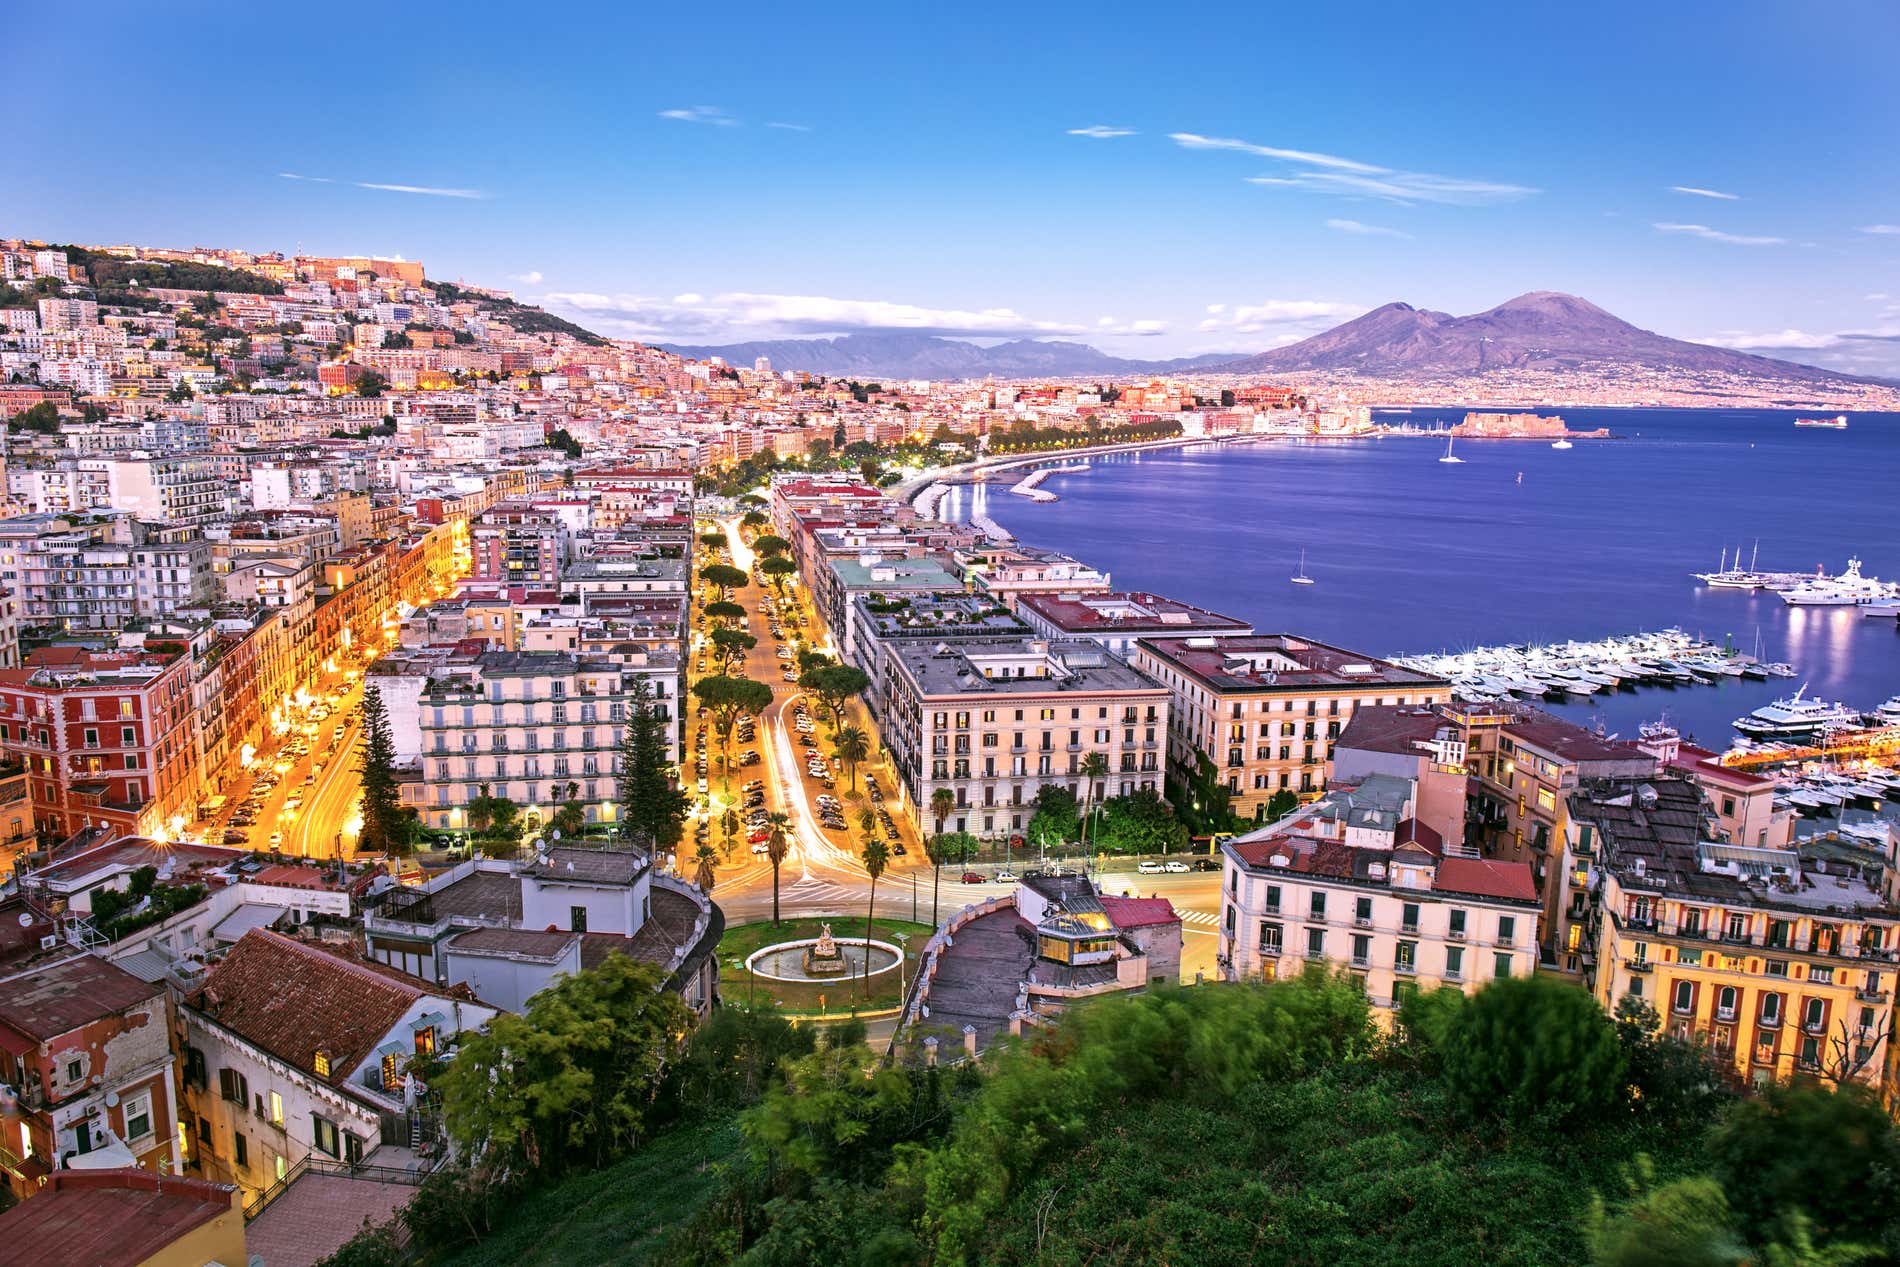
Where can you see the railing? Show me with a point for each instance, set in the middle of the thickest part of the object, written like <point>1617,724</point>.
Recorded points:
<point>311,1164</point>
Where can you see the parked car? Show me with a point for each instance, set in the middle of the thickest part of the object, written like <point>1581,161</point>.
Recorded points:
<point>897,847</point>
<point>974,877</point>
<point>1174,866</point>
<point>1148,866</point>
<point>1006,876</point>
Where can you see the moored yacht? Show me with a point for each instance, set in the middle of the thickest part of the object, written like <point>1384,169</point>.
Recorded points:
<point>1798,714</point>
<point>1849,589</point>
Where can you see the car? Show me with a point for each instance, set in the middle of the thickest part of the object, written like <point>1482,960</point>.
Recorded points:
<point>761,849</point>
<point>276,839</point>
<point>1148,866</point>
<point>1174,866</point>
<point>237,838</point>
<point>1207,864</point>
<point>897,847</point>
<point>1006,876</point>
<point>973,877</point>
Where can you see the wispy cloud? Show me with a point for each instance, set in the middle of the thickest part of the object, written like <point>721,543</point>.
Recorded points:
<point>430,191</point>
<point>1276,313</point>
<point>1883,229</point>
<point>788,127</point>
<point>1773,340</point>
<point>1717,235</point>
<point>712,115</point>
<point>530,278</point>
<point>1704,193</point>
<point>315,180</point>
<point>735,313</point>
<point>1101,131</point>
<point>1369,230</point>
<point>1349,177</point>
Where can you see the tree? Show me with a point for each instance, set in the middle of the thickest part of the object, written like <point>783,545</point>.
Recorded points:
<point>713,540</point>
<point>726,697</point>
<point>1683,1224</point>
<point>571,819</point>
<point>1281,803</point>
<point>730,645</point>
<point>875,856</point>
<point>384,830</point>
<point>704,876</point>
<point>936,849</point>
<point>1534,1049</point>
<point>753,519</point>
<point>724,612</point>
<point>180,393</point>
<point>942,802</point>
<point>568,1084</point>
<point>776,847</point>
<point>371,385</point>
<point>867,822</point>
<point>778,569</point>
<point>1055,817</point>
<point>851,746</point>
<point>1675,1079</point>
<point>1832,1157</point>
<point>834,684</point>
<point>1094,766</point>
<point>651,806</point>
<point>729,826</point>
<point>770,546</point>
<point>724,577</point>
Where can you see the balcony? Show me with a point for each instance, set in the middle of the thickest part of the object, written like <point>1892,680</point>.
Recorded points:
<point>1725,1015</point>
<point>1362,921</point>
<point>1870,996</point>
<point>1405,969</point>
<point>1638,965</point>
<point>1455,934</point>
<point>1410,930</point>
<point>1270,951</point>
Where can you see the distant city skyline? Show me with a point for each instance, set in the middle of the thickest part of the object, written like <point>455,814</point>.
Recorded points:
<point>1156,185</point>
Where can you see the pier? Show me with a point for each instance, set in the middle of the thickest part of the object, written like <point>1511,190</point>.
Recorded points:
<point>1030,486</point>
<point>1578,670</point>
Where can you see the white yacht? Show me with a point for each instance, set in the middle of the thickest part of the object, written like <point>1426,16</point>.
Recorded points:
<point>1888,714</point>
<point>1796,715</point>
<point>1849,589</point>
<point>1562,444</point>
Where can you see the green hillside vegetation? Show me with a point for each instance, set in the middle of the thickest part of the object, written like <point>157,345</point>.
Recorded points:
<point>111,275</point>
<point>525,318</point>
<point>1214,1126</point>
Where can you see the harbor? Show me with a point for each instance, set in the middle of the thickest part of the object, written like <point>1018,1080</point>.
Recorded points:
<point>1874,597</point>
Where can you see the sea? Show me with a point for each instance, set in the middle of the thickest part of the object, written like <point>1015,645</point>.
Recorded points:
<point>1518,543</point>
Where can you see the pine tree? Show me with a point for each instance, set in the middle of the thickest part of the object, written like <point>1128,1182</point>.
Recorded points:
<point>383,827</point>
<point>652,809</point>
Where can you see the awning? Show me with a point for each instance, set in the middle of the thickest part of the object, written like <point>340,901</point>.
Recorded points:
<point>244,919</point>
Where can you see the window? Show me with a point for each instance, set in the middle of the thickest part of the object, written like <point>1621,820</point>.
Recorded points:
<point>1507,932</point>
<point>1684,997</point>
<point>577,918</point>
<point>1725,1004</point>
<point>1361,950</point>
<point>321,1064</point>
<point>1406,958</point>
<point>1501,966</point>
<point>232,1087</point>
<point>276,1109</point>
<point>1273,899</point>
<point>324,1136</point>
<point>425,1041</point>
<point>352,1149</point>
<point>1270,939</point>
<point>1316,943</point>
<point>138,1117</point>
<point>1408,919</point>
<point>392,1072</point>
<point>240,1149</point>
<point>1317,906</point>
<point>1813,1014</point>
<point>75,1071</point>
<point>1457,928</point>
<point>1454,962</point>
<point>1770,1009</point>
<point>1362,912</point>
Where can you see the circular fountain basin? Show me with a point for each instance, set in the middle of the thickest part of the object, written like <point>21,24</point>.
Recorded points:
<point>785,961</point>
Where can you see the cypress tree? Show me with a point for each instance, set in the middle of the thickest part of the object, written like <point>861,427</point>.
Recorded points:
<point>652,809</point>
<point>383,827</point>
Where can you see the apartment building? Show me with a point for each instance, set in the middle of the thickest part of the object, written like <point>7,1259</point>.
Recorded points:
<point>536,727</point>
<point>294,1050</point>
<point>1119,619</point>
<point>516,544</point>
<point>1266,709</point>
<point>1355,880</point>
<point>1007,573</point>
<point>175,489</point>
<point>841,581</point>
<point>993,719</point>
<point>85,1072</point>
<point>1783,960</point>
<point>106,738</point>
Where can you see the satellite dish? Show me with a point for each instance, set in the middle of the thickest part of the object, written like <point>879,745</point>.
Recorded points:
<point>26,920</point>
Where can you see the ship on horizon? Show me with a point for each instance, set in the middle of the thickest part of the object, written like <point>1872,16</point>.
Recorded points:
<point>1837,423</point>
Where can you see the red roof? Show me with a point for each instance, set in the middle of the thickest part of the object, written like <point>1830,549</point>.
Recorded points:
<point>1482,877</point>
<point>84,1217</point>
<point>1139,912</point>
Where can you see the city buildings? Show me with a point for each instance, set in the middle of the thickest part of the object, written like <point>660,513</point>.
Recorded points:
<point>1266,709</point>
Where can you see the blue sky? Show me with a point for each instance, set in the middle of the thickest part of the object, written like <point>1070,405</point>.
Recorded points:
<point>1154,180</point>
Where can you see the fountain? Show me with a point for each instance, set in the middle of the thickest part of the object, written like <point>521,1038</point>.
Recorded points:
<point>822,958</point>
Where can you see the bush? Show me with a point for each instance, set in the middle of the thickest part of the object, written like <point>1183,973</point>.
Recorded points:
<point>1534,1050</point>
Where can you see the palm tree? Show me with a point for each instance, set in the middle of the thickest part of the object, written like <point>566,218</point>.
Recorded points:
<point>942,801</point>
<point>867,822</point>
<point>875,855</point>
<point>729,824</point>
<point>934,850</point>
<point>776,847</point>
<point>704,876</point>
<point>851,747</point>
<point>1094,766</point>
<point>481,810</point>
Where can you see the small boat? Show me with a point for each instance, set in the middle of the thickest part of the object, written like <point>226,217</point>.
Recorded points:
<point>1300,577</point>
<point>1449,455</point>
<point>1837,423</point>
<point>1562,444</point>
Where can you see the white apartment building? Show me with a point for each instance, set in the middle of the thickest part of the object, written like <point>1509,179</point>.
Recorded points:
<point>1355,881</point>
<point>993,719</point>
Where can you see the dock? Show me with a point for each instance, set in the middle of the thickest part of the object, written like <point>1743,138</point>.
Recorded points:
<point>1030,486</point>
<point>1579,670</point>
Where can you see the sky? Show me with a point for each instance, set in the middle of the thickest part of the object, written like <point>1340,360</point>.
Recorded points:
<point>1153,180</point>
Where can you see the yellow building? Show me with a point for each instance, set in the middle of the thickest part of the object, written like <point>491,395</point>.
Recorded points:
<point>128,1217</point>
<point>1782,960</point>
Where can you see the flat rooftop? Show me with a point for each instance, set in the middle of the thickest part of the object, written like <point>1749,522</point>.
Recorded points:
<point>1016,666</point>
<point>1127,611</point>
<point>1281,663</point>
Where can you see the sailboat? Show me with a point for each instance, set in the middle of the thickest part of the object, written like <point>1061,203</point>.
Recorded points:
<point>1300,577</point>
<point>1449,456</point>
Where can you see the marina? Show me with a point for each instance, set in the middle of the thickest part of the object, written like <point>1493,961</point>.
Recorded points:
<point>1580,670</point>
<point>1803,589</point>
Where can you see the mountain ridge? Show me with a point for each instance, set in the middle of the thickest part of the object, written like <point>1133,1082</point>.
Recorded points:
<point>906,355</point>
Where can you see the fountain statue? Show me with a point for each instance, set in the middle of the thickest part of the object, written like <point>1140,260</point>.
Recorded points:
<point>823,958</point>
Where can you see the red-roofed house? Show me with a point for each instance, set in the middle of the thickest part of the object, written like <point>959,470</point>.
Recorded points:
<point>294,1049</point>
<point>1355,880</point>
<point>126,1218</point>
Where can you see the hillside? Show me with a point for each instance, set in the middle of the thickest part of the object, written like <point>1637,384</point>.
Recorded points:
<point>1543,330</point>
<point>867,356</point>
